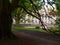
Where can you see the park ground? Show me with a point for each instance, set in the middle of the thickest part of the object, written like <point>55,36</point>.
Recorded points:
<point>29,37</point>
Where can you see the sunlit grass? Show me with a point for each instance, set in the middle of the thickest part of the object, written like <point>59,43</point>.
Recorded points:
<point>32,29</point>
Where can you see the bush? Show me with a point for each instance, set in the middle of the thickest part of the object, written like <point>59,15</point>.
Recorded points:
<point>58,24</point>
<point>56,29</point>
<point>37,27</point>
<point>53,29</point>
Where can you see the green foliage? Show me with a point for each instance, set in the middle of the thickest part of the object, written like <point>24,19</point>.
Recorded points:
<point>56,29</point>
<point>37,27</point>
<point>57,3</point>
<point>58,23</point>
<point>53,29</point>
<point>27,4</point>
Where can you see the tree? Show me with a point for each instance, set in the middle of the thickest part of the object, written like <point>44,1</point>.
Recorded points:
<point>6,7</point>
<point>32,7</point>
<point>17,16</point>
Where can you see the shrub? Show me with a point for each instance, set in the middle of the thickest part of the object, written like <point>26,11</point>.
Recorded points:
<point>37,27</point>
<point>53,29</point>
<point>58,24</point>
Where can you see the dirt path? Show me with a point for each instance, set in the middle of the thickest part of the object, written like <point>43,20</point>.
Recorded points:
<point>32,38</point>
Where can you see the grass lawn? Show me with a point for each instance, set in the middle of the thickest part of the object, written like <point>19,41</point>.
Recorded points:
<point>32,29</point>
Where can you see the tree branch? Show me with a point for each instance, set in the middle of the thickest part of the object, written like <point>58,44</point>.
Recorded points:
<point>29,12</point>
<point>39,15</point>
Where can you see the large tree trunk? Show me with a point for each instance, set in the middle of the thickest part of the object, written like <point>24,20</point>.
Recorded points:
<point>5,20</point>
<point>5,23</point>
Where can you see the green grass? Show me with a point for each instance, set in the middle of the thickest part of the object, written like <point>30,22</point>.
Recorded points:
<point>32,29</point>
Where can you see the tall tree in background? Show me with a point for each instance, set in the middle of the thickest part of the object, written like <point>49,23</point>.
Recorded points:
<point>17,16</point>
